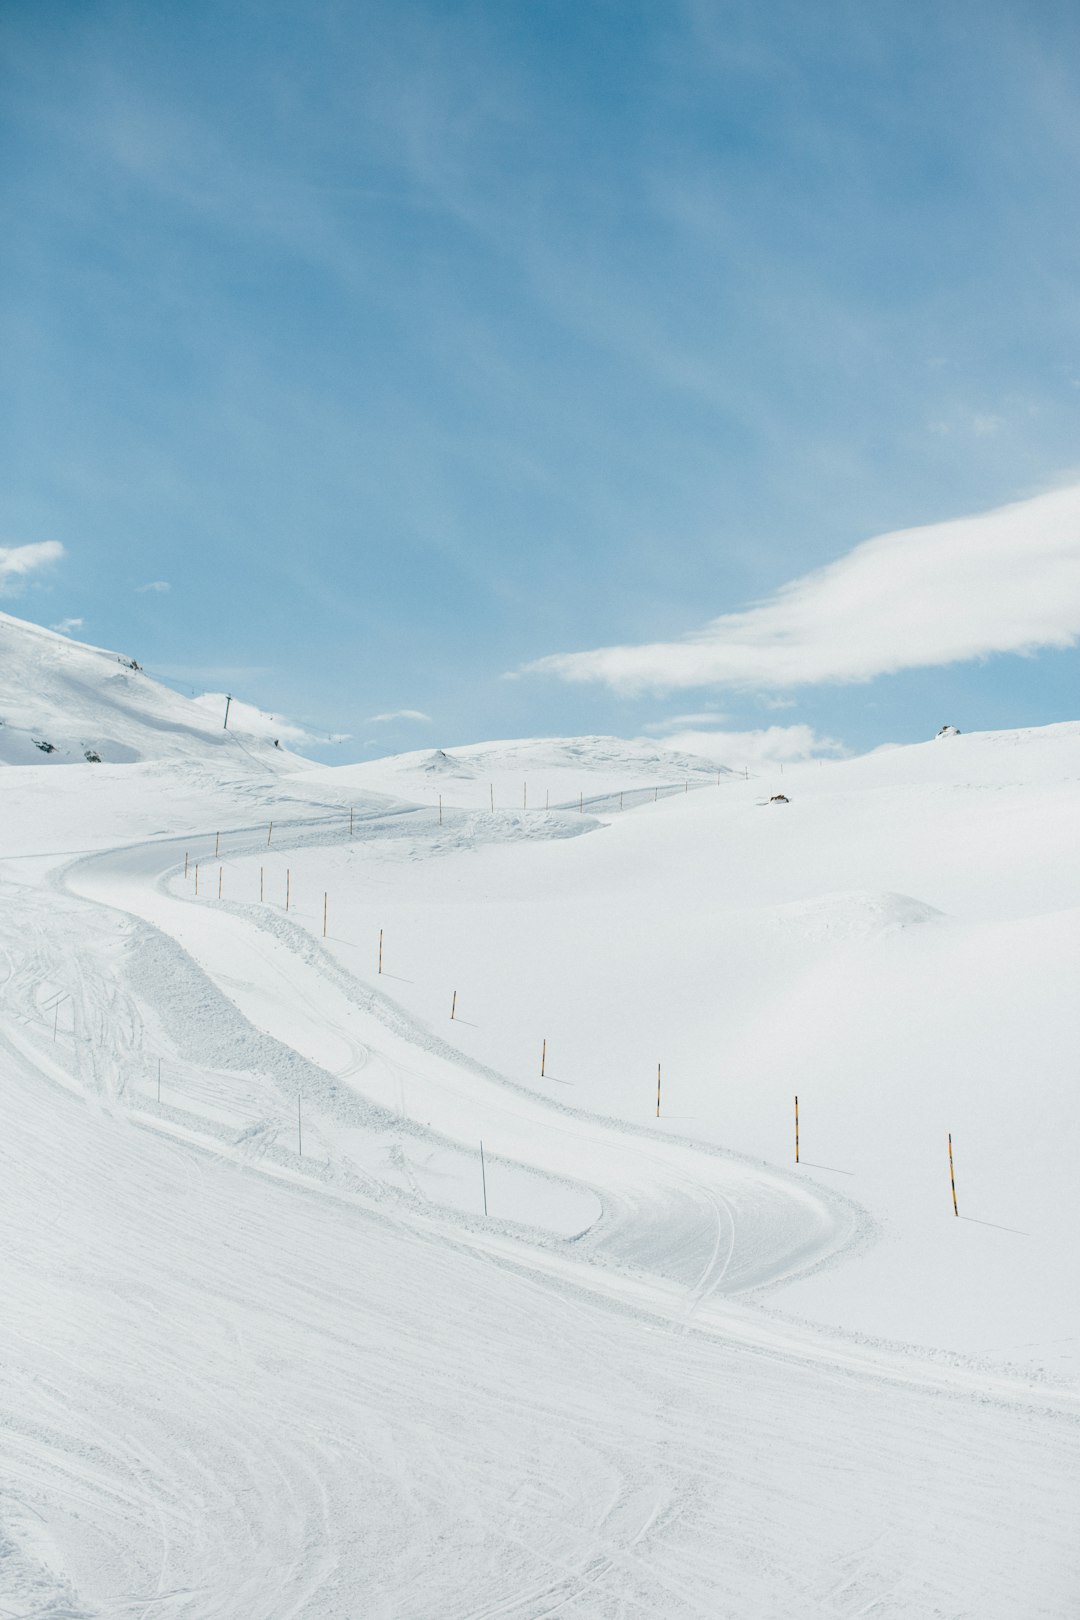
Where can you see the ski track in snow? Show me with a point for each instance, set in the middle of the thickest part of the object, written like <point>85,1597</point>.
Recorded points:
<point>276,1387</point>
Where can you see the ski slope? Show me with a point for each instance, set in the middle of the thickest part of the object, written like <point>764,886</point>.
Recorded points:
<point>264,1353</point>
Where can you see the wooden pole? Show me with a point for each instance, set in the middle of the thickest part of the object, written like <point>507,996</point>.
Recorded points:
<point>350,820</point>
<point>269,834</point>
<point>547,799</point>
<point>796,1130</point>
<point>453,1006</point>
<point>620,801</point>
<point>220,872</point>
<point>543,1059</point>
<point>952,1178</point>
<point>196,877</point>
<point>324,901</point>
<point>440,809</point>
<point>185,863</point>
<point>581,803</point>
<point>483,1175</point>
<point>380,950</point>
<point>217,844</point>
<point>658,1091</point>
<point>288,887</point>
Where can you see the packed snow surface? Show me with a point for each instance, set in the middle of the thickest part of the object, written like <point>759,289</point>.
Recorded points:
<point>278,1341</point>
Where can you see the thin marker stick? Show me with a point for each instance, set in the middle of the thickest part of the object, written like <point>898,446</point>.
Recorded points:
<point>952,1178</point>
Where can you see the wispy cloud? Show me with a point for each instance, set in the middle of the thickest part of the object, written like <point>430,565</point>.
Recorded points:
<point>18,562</point>
<point>1004,581</point>
<point>682,722</point>
<point>66,626</point>
<point>771,745</point>
<point>399,714</point>
<point>154,585</point>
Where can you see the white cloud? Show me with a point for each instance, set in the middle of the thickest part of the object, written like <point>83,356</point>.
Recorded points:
<point>399,714</point>
<point>678,722</point>
<point>154,585</point>
<point>770,745</point>
<point>16,562</point>
<point>66,626</point>
<point>1004,581</point>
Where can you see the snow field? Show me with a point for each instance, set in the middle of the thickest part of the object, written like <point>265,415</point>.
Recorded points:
<point>239,1381</point>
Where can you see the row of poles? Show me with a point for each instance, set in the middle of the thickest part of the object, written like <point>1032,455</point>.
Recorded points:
<point>453,1001</point>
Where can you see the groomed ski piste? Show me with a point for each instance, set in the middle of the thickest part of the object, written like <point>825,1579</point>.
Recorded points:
<point>278,1341</point>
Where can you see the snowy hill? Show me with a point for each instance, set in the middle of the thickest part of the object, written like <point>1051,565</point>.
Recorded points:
<point>353,1264</point>
<point>535,772</point>
<point>63,703</point>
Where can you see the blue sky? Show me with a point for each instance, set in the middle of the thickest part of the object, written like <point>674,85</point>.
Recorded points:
<point>410,345</point>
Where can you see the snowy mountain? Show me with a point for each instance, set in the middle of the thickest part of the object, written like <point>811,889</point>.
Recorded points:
<point>535,772</point>
<point>63,703</point>
<point>401,1211</point>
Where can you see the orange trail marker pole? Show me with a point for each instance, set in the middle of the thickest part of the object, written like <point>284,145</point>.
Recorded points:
<point>220,870</point>
<point>324,901</point>
<point>185,863</point>
<point>453,1005</point>
<point>269,834</point>
<point>952,1178</point>
<point>288,887</point>
<point>658,1091</point>
<point>350,820</point>
<point>217,843</point>
<point>796,1130</point>
<point>196,877</point>
<point>380,950</point>
<point>543,1059</point>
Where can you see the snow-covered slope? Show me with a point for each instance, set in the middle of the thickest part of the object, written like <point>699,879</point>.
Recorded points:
<point>281,1340</point>
<point>535,773</point>
<point>63,703</point>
